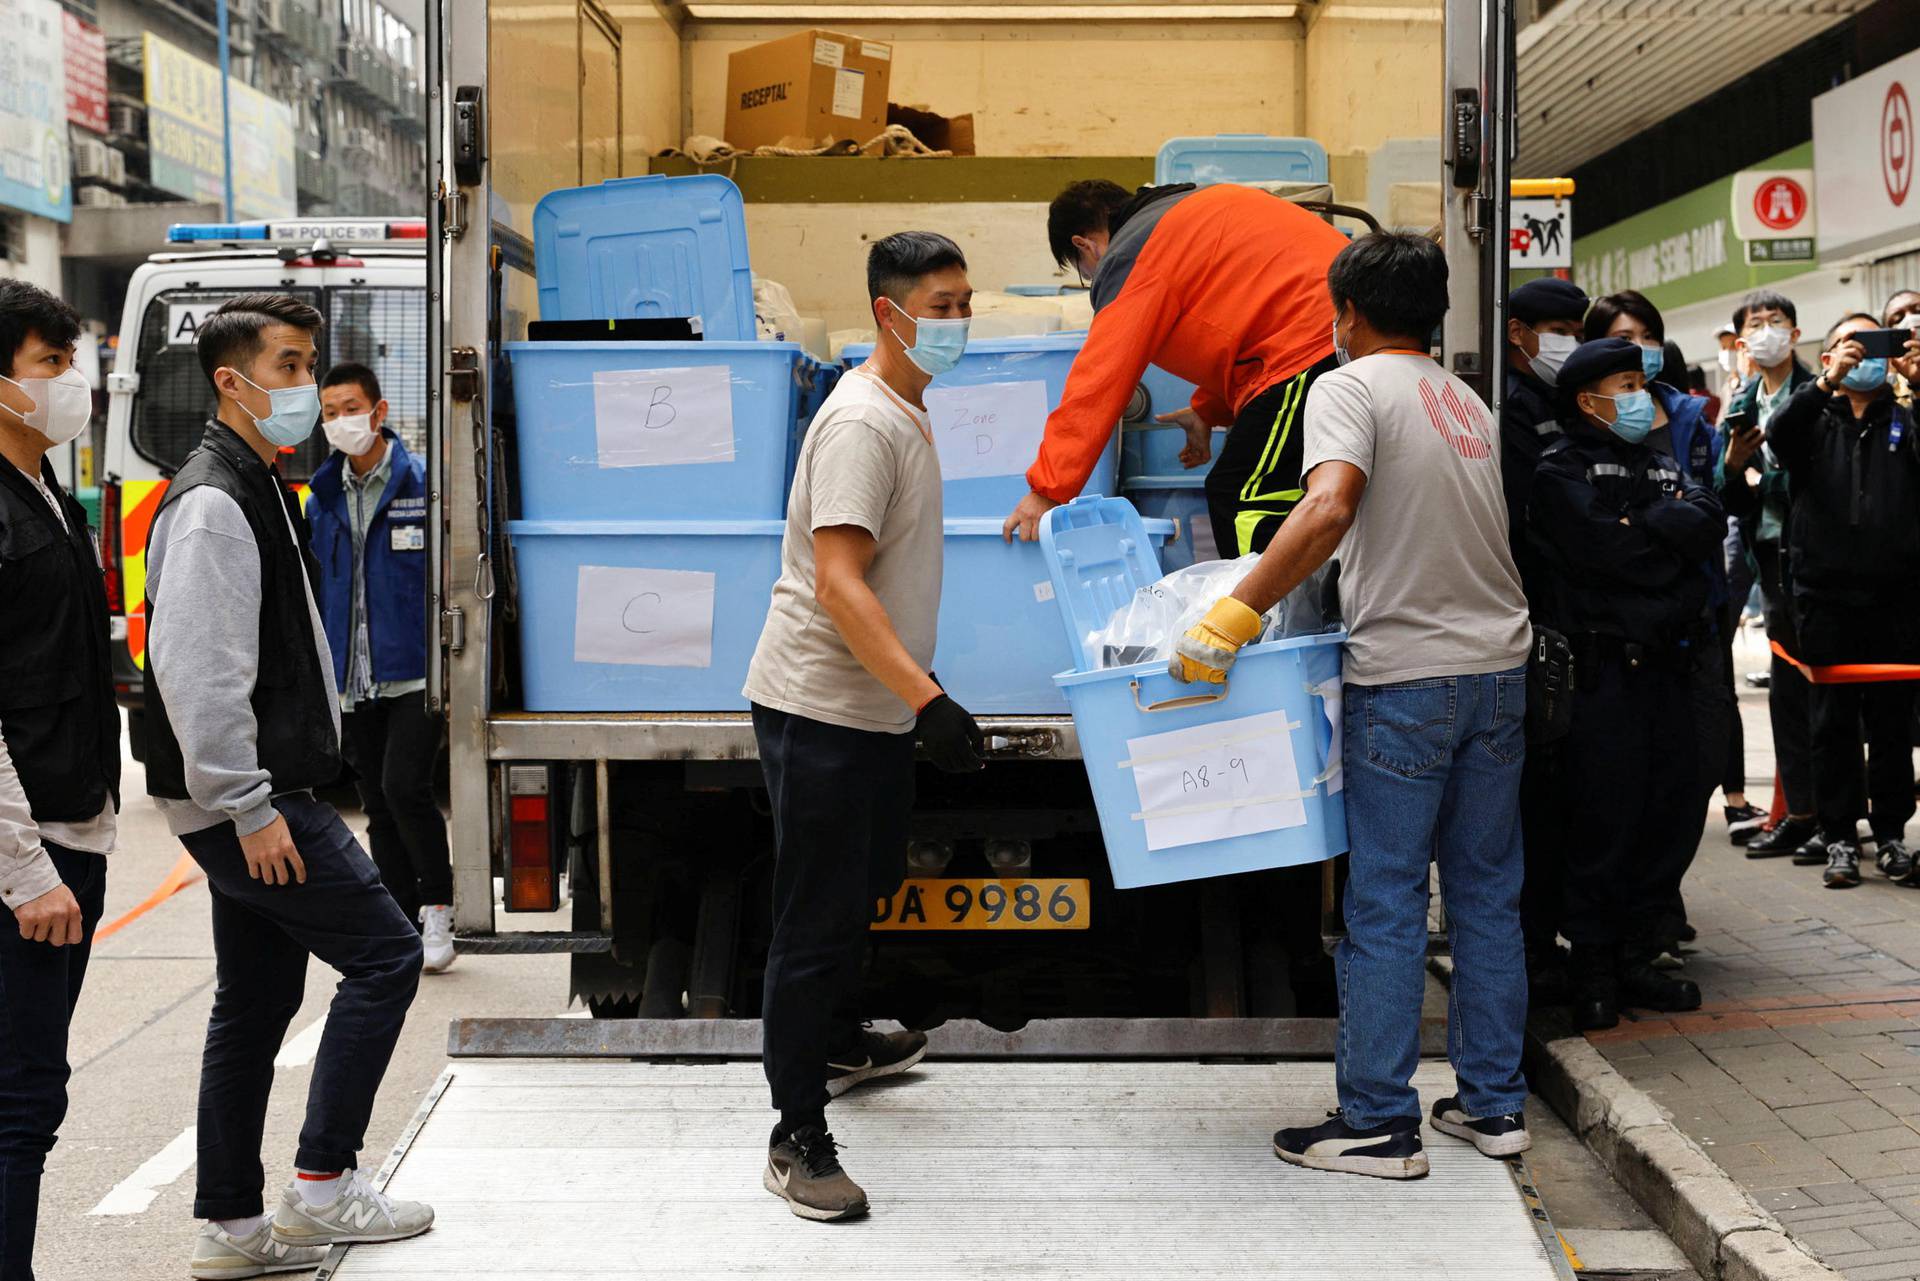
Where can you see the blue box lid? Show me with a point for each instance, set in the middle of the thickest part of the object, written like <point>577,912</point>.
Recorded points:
<point>1240,157</point>
<point>1098,555</point>
<point>647,246</point>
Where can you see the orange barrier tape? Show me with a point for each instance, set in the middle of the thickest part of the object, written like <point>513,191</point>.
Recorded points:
<point>1851,673</point>
<point>184,873</point>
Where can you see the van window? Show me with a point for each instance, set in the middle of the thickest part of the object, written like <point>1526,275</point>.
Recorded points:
<point>384,329</point>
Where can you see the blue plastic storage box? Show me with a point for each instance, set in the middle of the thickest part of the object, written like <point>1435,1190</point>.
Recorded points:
<point>1000,641</point>
<point>1193,781</point>
<point>1186,510</point>
<point>1240,157</point>
<point>1016,382</point>
<point>1149,450</point>
<point>651,246</point>
<point>641,616</point>
<point>651,430</point>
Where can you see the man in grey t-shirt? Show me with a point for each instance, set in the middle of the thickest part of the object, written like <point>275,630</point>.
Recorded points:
<point>1403,482</point>
<point>840,689</point>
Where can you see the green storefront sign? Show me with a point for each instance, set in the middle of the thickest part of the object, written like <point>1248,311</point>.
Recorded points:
<point>1683,251</point>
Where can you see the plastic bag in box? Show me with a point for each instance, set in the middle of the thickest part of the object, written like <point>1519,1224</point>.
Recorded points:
<point>1142,630</point>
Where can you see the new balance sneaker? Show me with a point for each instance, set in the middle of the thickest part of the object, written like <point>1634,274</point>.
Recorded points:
<point>218,1255</point>
<point>1843,865</point>
<point>803,1169</point>
<point>1744,822</point>
<point>874,1055</point>
<point>436,938</point>
<point>357,1215</point>
<point>1389,1151</point>
<point>1493,1135</point>
<point>1895,860</point>
<point>1782,839</point>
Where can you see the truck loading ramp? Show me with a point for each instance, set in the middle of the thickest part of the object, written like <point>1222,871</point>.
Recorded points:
<point>548,1169</point>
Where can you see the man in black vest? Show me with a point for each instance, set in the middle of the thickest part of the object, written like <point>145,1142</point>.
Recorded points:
<point>244,722</point>
<point>59,747</point>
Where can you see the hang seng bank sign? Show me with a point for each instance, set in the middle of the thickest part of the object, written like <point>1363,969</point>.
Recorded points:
<point>1685,250</point>
<point>1662,262</point>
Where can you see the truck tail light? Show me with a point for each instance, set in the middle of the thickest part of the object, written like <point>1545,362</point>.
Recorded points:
<point>533,873</point>
<point>110,547</point>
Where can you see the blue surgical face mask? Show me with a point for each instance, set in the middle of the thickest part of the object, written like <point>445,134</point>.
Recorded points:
<point>1632,415</point>
<point>1869,375</point>
<point>937,344</point>
<point>1652,360</point>
<point>295,411</point>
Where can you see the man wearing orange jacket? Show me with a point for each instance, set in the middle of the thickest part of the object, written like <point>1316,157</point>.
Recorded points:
<point>1224,286</point>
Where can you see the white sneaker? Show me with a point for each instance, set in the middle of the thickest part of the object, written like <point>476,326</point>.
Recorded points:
<point>436,936</point>
<point>356,1215</point>
<point>218,1255</point>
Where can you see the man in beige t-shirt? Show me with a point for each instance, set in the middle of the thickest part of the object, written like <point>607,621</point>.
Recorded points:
<point>841,688</point>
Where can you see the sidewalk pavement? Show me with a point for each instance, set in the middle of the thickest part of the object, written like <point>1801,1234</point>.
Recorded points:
<point>1800,1073</point>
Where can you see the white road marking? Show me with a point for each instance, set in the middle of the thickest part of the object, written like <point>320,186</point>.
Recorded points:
<point>135,1193</point>
<point>299,1049</point>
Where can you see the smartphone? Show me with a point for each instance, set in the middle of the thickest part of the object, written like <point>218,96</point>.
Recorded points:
<point>1884,343</point>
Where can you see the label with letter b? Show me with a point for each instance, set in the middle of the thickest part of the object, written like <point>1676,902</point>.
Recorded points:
<point>663,417</point>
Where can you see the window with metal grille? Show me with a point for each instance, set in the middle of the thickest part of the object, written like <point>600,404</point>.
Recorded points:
<point>383,329</point>
<point>386,330</point>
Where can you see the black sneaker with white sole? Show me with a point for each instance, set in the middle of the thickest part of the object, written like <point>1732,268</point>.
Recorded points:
<point>1493,1135</point>
<point>1388,1151</point>
<point>1744,822</point>
<point>804,1170</point>
<point>873,1055</point>
<point>1895,860</point>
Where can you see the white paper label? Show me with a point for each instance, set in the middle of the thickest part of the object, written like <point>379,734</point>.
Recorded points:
<point>849,92</point>
<point>829,53</point>
<point>878,52</point>
<point>993,429</point>
<point>663,417</point>
<point>184,320</point>
<point>644,617</point>
<point>1212,782</point>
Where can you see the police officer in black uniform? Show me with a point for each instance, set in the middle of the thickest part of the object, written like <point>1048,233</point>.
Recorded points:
<point>1620,534</point>
<point>1543,328</point>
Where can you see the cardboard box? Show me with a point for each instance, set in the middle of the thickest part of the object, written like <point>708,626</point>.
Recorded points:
<point>807,89</point>
<point>942,133</point>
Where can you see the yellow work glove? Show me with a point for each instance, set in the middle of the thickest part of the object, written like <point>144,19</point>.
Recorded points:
<point>1209,647</point>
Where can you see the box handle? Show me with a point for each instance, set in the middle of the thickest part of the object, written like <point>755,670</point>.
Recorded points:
<point>1175,704</point>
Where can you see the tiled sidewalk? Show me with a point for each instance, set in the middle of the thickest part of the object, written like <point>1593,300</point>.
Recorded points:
<point>1800,1075</point>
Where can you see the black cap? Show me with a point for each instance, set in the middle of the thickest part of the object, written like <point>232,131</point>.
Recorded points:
<point>1548,298</point>
<point>1592,361</point>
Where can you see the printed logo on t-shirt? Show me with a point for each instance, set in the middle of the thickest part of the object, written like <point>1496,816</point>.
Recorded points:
<point>1459,419</point>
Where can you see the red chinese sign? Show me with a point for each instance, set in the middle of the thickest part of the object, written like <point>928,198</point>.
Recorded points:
<point>86,74</point>
<point>1896,143</point>
<point>1780,203</point>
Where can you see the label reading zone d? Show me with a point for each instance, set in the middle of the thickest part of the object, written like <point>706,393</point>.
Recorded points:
<point>926,903</point>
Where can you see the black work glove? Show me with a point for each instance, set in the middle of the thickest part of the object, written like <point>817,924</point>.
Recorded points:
<point>953,742</point>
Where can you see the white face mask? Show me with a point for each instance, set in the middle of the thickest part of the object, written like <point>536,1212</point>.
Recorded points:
<point>1554,350</point>
<point>351,434</point>
<point>1768,346</point>
<point>62,407</point>
<point>1726,360</point>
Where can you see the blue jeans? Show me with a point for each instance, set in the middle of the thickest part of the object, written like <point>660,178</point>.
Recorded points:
<point>262,937</point>
<point>1432,773</point>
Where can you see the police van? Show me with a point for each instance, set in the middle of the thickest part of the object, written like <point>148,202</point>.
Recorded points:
<point>367,276</point>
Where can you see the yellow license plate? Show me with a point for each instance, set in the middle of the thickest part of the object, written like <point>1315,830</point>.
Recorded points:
<point>1014,903</point>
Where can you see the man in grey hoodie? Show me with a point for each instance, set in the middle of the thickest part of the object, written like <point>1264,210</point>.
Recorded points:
<point>244,722</point>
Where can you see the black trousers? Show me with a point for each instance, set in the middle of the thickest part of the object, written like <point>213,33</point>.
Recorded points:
<point>1256,479</point>
<point>1733,776</point>
<point>394,745</point>
<point>1627,795</point>
<point>39,986</point>
<point>1543,835</point>
<point>1881,713</point>
<point>262,936</point>
<point>842,807</point>
<point>1789,707</point>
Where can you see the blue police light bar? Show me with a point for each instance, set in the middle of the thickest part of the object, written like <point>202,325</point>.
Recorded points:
<point>181,233</point>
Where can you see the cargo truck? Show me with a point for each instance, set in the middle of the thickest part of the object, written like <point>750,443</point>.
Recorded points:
<point>652,818</point>
<point>1106,1063</point>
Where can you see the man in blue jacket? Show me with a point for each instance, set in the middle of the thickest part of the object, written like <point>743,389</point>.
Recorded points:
<point>368,514</point>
